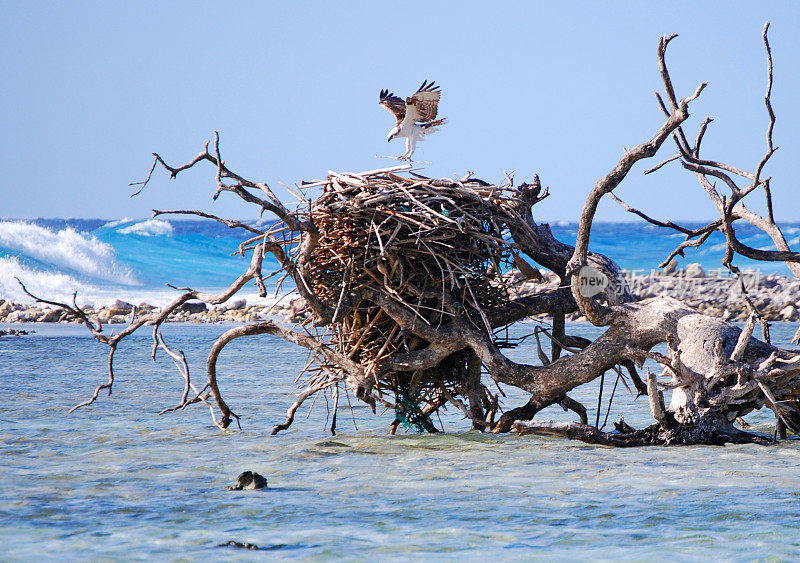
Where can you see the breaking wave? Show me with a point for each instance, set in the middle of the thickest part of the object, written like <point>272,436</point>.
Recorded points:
<point>64,249</point>
<point>151,227</point>
<point>118,222</point>
<point>132,259</point>
<point>58,286</point>
<point>54,285</point>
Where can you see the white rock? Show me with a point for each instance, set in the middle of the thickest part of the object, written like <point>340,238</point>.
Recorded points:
<point>694,270</point>
<point>119,304</point>
<point>6,308</point>
<point>49,316</point>
<point>236,305</point>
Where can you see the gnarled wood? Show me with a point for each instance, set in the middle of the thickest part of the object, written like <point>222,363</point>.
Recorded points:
<point>405,282</point>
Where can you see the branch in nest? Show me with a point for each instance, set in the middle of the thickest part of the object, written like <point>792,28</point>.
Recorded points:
<point>240,186</point>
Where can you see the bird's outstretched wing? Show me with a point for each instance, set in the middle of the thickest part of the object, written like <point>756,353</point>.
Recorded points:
<point>423,105</point>
<point>394,104</point>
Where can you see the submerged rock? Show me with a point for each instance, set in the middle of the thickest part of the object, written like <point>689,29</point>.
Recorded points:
<point>239,544</point>
<point>248,481</point>
<point>16,332</point>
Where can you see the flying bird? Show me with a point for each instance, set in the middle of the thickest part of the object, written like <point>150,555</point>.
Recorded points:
<point>416,116</point>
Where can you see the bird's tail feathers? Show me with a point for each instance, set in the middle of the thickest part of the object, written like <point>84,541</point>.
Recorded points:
<point>434,123</point>
<point>431,126</point>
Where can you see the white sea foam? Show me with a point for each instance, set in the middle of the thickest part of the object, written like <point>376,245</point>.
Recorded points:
<point>67,249</point>
<point>55,286</point>
<point>151,227</point>
<point>58,286</point>
<point>118,222</point>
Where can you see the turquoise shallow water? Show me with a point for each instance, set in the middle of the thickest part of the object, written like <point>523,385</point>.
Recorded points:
<point>117,481</point>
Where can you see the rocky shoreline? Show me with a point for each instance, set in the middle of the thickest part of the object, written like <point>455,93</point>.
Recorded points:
<point>119,312</point>
<point>717,294</point>
<point>776,297</point>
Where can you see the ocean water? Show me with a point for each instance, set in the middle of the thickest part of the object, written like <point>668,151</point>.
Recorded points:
<point>135,259</point>
<point>116,481</point>
<point>127,259</point>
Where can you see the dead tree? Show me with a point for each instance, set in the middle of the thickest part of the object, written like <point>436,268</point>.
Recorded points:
<point>407,292</point>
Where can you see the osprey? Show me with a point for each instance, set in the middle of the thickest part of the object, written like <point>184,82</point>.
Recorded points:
<point>416,117</point>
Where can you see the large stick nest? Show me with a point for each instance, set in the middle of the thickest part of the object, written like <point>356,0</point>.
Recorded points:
<point>438,247</point>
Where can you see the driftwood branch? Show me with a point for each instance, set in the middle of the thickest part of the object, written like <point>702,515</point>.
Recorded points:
<point>731,209</point>
<point>406,285</point>
<point>156,319</point>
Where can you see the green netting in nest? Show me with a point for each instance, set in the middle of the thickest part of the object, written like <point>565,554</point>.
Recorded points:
<point>408,411</point>
<point>437,247</point>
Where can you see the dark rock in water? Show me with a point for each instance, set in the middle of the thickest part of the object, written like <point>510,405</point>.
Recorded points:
<point>248,481</point>
<point>193,307</point>
<point>16,332</point>
<point>239,544</point>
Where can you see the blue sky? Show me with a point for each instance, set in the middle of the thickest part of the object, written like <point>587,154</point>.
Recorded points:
<point>91,89</point>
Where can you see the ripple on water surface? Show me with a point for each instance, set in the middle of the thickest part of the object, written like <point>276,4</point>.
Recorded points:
<point>118,481</point>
